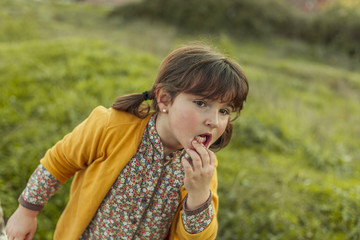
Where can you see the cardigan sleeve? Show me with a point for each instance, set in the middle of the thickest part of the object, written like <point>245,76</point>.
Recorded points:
<point>79,148</point>
<point>210,231</point>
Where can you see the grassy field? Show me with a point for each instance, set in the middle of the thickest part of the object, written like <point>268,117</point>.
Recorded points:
<point>291,171</point>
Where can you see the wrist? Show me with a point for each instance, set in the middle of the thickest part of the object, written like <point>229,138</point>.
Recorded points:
<point>30,206</point>
<point>194,201</point>
<point>27,212</point>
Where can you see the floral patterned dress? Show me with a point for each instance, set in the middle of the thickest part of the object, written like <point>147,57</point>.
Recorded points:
<point>141,203</point>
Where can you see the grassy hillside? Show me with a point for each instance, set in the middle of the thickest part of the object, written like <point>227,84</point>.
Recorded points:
<point>292,169</point>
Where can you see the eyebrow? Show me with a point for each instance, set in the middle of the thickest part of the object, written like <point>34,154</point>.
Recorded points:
<point>231,106</point>
<point>204,98</point>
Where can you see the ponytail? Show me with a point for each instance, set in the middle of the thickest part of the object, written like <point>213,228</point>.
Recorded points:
<point>134,103</point>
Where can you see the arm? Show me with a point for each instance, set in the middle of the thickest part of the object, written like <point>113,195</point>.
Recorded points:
<point>198,176</point>
<point>69,155</point>
<point>198,218</point>
<point>40,187</point>
<point>78,149</point>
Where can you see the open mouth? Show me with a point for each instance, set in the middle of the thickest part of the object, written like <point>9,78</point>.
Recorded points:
<point>204,139</point>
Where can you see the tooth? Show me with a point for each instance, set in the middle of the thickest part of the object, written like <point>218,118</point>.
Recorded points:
<point>200,139</point>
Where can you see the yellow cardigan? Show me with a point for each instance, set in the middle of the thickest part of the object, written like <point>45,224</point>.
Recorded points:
<point>95,152</point>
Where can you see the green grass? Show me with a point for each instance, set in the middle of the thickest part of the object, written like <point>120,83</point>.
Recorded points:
<point>291,171</point>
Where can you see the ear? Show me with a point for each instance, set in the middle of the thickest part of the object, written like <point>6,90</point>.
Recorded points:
<point>163,99</point>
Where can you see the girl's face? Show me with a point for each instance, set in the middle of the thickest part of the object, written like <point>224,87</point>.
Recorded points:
<point>191,117</point>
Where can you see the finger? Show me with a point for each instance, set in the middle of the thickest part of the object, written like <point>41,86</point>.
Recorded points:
<point>29,236</point>
<point>8,233</point>
<point>187,166</point>
<point>196,159</point>
<point>211,157</point>
<point>203,152</point>
<point>187,157</point>
<point>199,148</point>
<point>14,238</point>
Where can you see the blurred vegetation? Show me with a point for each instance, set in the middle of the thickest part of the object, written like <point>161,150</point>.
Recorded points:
<point>258,18</point>
<point>337,25</point>
<point>291,171</point>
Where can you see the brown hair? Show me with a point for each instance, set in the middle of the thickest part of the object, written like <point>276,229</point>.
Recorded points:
<point>197,70</point>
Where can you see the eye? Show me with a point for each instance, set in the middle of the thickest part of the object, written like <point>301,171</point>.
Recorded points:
<point>225,111</point>
<point>200,103</point>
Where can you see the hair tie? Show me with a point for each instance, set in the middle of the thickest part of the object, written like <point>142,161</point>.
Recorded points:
<point>145,95</point>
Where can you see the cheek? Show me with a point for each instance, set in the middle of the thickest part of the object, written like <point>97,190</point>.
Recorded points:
<point>221,128</point>
<point>187,121</point>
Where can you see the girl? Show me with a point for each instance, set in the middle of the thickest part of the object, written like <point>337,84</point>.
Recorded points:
<point>142,172</point>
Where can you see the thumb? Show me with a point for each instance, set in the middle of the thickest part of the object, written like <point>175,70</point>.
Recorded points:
<point>29,236</point>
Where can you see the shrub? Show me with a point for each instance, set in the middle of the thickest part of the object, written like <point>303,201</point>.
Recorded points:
<point>235,16</point>
<point>337,26</point>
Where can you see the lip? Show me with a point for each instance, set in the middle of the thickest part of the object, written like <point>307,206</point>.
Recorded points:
<point>208,137</point>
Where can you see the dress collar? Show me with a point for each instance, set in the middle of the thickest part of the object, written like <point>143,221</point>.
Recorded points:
<point>156,142</point>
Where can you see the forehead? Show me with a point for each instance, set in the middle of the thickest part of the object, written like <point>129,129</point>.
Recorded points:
<point>222,95</point>
<point>192,97</point>
<point>224,87</point>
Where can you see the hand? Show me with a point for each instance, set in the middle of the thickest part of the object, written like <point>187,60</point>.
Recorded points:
<point>198,176</point>
<point>22,224</point>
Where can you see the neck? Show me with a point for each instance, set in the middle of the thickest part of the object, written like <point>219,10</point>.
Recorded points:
<point>167,151</point>
<point>169,143</point>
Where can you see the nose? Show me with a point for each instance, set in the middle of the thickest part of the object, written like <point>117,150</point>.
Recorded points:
<point>212,119</point>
